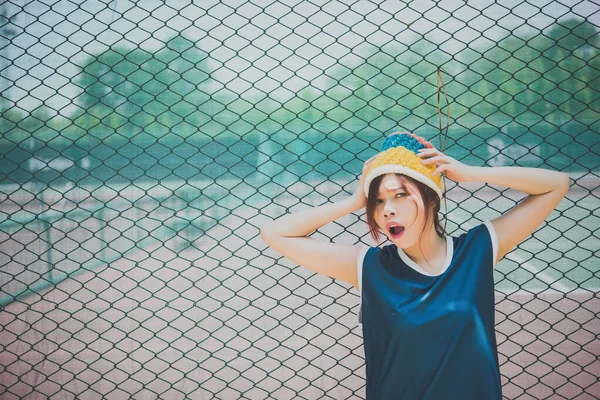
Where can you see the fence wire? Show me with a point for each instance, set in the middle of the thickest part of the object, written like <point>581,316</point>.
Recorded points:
<point>143,144</point>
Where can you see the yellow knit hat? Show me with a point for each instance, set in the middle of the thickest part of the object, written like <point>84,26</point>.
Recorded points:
<point>399,155</point>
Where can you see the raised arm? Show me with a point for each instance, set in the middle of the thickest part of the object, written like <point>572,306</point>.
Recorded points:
<point>546,188</point>
<point>288,236</point>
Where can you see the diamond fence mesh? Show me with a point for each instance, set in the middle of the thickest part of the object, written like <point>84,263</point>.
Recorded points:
<point>144,144</point>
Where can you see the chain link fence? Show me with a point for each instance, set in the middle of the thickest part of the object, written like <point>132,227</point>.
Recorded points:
<point>143,144</point>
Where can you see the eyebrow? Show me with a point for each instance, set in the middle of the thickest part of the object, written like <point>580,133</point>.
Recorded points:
<point>392,190</point>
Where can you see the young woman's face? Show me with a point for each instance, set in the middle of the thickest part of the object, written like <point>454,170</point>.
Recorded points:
<point>394,204</point>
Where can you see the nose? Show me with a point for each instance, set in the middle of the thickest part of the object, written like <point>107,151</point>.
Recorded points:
<point>388,210</point>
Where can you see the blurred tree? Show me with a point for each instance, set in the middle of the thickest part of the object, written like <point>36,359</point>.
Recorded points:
<point>7,32</point>
<point>575,48</point>
<point>138,90</point>
<point>546,74</point>
<point>386,87</point>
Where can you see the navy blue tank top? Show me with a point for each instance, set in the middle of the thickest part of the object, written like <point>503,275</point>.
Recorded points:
<point>431,336</point>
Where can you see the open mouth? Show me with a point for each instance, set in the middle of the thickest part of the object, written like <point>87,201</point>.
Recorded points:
<point>396,231</point>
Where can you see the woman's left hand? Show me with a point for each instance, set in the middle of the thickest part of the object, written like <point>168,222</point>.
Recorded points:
<point>451,168</point>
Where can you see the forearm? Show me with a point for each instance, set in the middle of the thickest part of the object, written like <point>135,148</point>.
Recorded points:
<point>302,223</point>
<point>524,179</point>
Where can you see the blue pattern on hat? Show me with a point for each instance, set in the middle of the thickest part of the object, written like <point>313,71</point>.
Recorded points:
<point>402,139</point>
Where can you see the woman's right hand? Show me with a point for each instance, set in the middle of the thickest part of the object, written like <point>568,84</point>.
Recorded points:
<point>358,199</point>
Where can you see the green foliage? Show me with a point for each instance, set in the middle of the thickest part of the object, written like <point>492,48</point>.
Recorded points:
<point>173,95</point>
<point>542,74</point>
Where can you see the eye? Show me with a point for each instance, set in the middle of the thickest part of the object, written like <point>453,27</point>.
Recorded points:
<point>379,201</point>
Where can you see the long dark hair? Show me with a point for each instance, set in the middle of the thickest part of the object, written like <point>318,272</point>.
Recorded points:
<point>431,201</point>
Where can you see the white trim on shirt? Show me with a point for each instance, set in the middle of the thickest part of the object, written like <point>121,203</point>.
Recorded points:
<point>359,270</point>
<point>494,238</point>
<point>447,261</point>
<point>359,266</point>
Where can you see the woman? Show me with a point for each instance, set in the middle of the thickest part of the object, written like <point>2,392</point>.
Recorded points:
<point>427,299</point>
